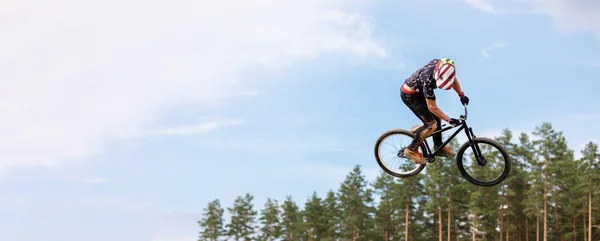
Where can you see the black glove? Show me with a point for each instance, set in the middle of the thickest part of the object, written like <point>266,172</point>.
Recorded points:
<point>464,100</point>
<point>454,122</point>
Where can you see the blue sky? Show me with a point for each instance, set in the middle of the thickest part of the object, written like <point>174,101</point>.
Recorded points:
<point>125,127</point>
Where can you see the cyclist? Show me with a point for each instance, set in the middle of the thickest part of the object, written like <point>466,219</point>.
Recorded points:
<point>417,93</point>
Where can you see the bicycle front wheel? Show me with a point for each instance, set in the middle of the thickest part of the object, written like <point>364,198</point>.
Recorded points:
<point>487,164</point>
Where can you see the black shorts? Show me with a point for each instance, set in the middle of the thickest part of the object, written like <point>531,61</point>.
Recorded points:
<point>417,104</point>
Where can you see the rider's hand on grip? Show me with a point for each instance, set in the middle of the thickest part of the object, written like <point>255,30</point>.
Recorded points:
<point>454,122</point>
<point>464,100</point>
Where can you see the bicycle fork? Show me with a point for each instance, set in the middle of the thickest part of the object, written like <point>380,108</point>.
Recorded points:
<point>478,155</point>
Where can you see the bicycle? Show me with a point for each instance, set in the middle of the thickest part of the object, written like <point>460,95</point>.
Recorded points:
<point>473,142</point>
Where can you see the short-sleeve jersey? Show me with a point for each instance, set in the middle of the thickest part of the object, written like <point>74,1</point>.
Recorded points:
<point>422,80</point>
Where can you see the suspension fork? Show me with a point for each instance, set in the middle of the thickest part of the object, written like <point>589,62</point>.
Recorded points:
<point>478,155</point>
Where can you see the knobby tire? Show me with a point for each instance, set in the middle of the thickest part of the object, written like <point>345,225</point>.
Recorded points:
<point>493,143</point>
<point>380,163</point>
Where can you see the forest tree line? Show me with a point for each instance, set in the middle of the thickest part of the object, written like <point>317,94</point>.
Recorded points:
<point>549,195</point>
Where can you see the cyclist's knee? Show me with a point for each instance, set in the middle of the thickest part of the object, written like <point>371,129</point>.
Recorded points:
<point>429,127</point>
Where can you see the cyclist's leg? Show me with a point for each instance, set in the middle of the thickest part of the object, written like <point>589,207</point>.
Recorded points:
<point>437,137</point>
<point>416,103</point>
<point>437,141</point>
<point>431,123</point>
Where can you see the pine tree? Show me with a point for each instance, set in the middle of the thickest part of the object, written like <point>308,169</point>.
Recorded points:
<point>243,217</point>
<point>315,223</point>
<point>566,205</point>
<point>409,196</point>
<point>551,147</point>
<point>440,176</point>
<point>212,223</point>
<point>435,194</point>
<point>484,202</point>
<point>460,208</point>
<point>534,186</point>
<point>269,220</point>
<point>519,218</point>
<point>355,200</point>
<point>332,214</point>
<point>384,187</point>
<point>291,220</point>
<point>570,199</point>
<point>589,171</point>
<point>512,219</point>
<point>455,195</point>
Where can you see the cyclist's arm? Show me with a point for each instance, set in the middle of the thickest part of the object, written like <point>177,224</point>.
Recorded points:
<point>456,87</point>
<point>430,99</point>
<point>436,110</point>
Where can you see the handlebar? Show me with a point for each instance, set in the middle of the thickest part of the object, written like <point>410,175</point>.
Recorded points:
<point>464,117</point>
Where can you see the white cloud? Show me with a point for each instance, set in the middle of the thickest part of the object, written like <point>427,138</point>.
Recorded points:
<point>209,124</point>
<point>481,5</point>
<point>571,15</point>
<point>284,144</point>
<point>78,74</point>
<point>568,15</point>
<point>485,52</point>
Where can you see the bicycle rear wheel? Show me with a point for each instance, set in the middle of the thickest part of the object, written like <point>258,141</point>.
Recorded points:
<point>488,154</point>
<point>397,152</point>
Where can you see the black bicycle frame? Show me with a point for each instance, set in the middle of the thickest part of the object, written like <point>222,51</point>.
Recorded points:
<point>461,126</point>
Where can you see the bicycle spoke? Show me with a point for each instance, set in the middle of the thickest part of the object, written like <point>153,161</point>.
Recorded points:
<point>390,157</point>
<point>493,168</point>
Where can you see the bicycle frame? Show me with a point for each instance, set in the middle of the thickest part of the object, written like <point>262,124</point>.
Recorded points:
<point>468,131</point>
<point>460,128</point>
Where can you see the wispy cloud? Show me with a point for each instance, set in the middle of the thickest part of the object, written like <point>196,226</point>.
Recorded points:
<point>485,52</point>
<point>97,80</point>
<point>571,15</point>
<point>568,15</point>
<point>209,124</point>
<point>482,5</point>
<point>298,143</point>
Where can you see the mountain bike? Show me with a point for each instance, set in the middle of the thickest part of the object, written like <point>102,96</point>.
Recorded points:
<point>481,155</point>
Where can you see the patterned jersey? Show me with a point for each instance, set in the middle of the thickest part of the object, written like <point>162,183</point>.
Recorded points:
<point>422,80</point>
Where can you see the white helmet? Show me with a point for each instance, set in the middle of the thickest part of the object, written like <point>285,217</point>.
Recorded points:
<point>444,74</point>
